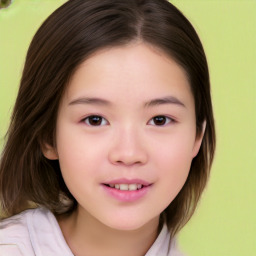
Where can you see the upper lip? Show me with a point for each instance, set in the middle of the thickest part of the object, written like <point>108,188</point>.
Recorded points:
<point>128,181</point>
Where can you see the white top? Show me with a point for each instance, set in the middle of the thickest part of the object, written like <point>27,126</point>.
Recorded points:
<point>36,232</point>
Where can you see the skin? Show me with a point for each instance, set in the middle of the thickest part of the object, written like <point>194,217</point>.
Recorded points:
<point>127,143</point>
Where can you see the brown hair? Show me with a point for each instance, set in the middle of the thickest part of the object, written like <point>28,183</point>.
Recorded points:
<point>73,32</point>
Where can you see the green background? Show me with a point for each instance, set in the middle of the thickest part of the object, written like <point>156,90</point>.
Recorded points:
<point>225,221</point>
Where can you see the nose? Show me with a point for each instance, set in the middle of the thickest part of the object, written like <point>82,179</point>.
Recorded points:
<point>127,148</point>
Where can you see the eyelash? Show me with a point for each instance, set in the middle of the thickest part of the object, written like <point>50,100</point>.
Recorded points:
<point>162,118</point>
<point>87,120</point>
<point>167,120</point>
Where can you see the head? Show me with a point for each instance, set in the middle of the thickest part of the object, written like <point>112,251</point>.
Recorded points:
<point>77,32</point>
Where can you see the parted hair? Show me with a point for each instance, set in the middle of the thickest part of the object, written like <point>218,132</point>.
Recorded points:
<point>69,36</point>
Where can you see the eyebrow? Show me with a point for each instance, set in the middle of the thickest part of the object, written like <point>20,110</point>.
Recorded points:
<point>164,100</point>
<point>151,103</point>
<point>92,101</point>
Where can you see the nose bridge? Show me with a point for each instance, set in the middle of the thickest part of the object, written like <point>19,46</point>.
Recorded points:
<point>127,146</point>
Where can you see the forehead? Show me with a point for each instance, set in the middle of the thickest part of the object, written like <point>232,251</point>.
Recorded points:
<point>134,72</point>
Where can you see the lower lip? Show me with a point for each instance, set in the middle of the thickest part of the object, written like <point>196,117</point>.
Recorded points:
<point>126,195</point>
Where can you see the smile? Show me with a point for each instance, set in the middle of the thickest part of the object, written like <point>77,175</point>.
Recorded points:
<point>125,187</point>
<point>127,190</point>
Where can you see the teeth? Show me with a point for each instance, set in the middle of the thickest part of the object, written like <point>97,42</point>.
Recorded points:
<point>126,187</point>
<point>133,187</point>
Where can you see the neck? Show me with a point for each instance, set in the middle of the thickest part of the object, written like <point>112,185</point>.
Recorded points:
<point>85,235</point>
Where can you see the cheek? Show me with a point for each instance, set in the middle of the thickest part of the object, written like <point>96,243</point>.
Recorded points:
<point>71,144</point>
<point>176,152</point>
<point>176,169</point>
<point>79,155</point>
<point>174,161</point>
<point>75,158</point>
<point>71,152</point>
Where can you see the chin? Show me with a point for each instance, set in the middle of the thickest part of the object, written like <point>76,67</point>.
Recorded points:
<point>129,224</point>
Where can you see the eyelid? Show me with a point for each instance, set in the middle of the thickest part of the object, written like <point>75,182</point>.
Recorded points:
<point>83,120</point>
<point>171,120</point>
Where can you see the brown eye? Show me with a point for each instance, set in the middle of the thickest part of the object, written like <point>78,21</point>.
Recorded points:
<point>160,120</point>
<point>95,121</point>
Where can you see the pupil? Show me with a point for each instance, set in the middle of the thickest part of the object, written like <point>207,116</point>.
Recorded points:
<point>159,120</point>
<point>95,120</point>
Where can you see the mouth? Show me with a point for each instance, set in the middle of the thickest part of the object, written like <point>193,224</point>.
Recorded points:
<point>126,187</point>
<point>127,190</point>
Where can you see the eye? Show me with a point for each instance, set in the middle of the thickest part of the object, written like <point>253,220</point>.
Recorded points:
<point>160,120</point>
<point>95,120</point>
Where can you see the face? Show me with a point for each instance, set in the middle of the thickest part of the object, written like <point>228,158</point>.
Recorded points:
<point>126,135</point>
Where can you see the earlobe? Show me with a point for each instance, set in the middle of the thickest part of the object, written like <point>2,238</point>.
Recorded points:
<point>199,140</point>
<point>49,152</point>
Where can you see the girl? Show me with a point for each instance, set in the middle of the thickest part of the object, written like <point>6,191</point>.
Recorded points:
<point>112,135</point>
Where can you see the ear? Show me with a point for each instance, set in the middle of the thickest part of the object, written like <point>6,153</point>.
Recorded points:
<point>198,140</point>
<point>49,152</point>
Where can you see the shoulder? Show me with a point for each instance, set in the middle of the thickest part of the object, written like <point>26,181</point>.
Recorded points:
<point>21,235</point>
<point>14,227</point>
<point>164,245</point>
<point>32,232</point>
<point>14,234</point>
<point>174,249</point>
<point>18,226</point>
